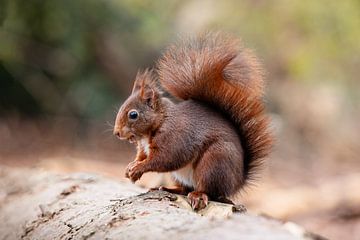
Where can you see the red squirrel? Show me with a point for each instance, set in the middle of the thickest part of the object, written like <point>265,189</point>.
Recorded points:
<point>214,138</point>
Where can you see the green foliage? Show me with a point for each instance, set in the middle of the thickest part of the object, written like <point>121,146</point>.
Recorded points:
<point>78,57</point>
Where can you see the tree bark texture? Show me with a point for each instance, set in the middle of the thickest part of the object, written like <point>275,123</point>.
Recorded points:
<point>36,204</point>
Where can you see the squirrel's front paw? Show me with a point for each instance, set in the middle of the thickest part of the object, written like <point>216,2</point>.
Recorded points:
<point>134,171</point>
<point>129,167</point>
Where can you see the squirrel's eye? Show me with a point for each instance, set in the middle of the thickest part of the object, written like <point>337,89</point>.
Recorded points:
<point>133,114</point>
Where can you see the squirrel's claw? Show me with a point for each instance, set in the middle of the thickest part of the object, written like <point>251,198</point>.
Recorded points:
<point>128,168</point>
<point>133,171</point>
<point>198,200</point>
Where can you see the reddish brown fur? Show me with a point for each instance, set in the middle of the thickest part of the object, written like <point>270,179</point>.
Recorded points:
<point>217,70</point>
<point>219,131</point>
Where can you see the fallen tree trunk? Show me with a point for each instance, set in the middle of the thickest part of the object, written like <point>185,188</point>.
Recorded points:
<point>41,205</point>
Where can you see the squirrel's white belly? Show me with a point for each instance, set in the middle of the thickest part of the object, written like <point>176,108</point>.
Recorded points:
<point>185,175</point>
<point>144,142</point>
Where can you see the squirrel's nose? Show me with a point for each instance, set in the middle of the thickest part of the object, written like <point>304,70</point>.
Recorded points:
<point>116,133</point>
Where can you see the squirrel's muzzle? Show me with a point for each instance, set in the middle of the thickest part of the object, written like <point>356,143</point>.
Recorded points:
<point>117,133</point>
<point>124,133</point>
<point>119,128</point>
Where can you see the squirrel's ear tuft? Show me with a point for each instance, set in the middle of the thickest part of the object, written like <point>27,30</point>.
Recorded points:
<point>143,80</point>
<point>145,83</point>
<point>150,97</point>
<point>139,82</point>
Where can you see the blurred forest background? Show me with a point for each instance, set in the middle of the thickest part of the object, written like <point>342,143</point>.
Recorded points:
<point>66,66</point>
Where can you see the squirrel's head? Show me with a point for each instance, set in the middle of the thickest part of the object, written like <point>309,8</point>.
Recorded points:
<point>141,113</point>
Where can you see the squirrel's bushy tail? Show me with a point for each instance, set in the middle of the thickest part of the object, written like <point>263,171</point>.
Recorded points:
<point>217,70</point>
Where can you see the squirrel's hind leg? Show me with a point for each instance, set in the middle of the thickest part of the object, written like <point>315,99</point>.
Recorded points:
<point>224,200</point>
<point>178,189</point>
<point>218,173</point>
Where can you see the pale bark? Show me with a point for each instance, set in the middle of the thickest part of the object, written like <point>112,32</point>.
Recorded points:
<point>41,205</point>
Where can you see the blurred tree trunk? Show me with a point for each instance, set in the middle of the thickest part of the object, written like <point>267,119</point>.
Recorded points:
<point>42,205</point>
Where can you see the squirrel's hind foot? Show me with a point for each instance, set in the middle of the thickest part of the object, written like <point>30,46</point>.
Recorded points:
<point>198,200</point>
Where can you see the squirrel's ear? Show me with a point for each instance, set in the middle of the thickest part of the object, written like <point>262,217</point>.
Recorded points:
<point>150,97</point>
<point>145,83</point>
<point>143,80</point>
<point>138,84</point>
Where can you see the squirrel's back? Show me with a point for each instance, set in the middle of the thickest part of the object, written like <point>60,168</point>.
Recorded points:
<point>217,70</point>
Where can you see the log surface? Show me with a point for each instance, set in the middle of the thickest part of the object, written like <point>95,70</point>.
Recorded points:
<point>40,205</point>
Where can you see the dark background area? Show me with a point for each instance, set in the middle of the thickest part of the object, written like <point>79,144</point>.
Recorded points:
<point>66,66</point>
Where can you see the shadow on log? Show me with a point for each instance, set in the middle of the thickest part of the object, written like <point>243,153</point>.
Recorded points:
<point>42,205</point>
